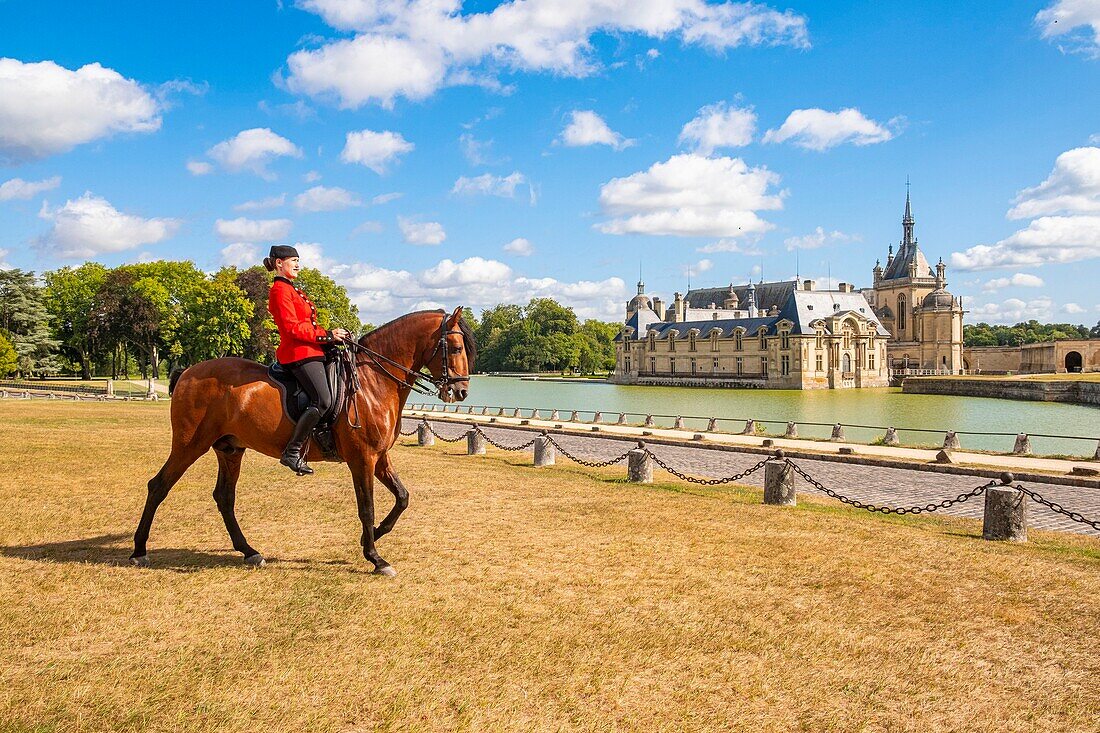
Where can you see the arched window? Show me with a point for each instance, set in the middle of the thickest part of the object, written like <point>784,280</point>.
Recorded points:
<point>901,313</point>
<point>847,362</point>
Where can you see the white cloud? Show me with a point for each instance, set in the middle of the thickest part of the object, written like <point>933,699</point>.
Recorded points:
<point>271,202</point>
<point>199,167</point>
<point>489,185</point>
<point>1073,187</point>
<point>1073,308</point>
<point>1019,280</point>
<point>520,247</point>
<point>3,259</point>
<point>90,226</point>
<point>414,232</point>
<point>477,152</point>
<point>412,48</point>
<point>1047,240</point>
<point>252,150</point>
<point>385,198</point>
<point>252,230</point>
<point>1014,310</point>
<point>19,190</point>
<point>719,126</point>
<point>311,176</point>
<point>322,198</point>
<point>818,238</point>
<point>731,245</point>
<point>470,271</point>
<point>368,227</point>
<point>818,129</point>
<point>47,109</point>
<point>374,149</point>
<point>692,196</point>
<point>1094,139</point>
<point>703,265</point>
<point>240,254</point>
<point>1075,21</point>
<point>588,128</point>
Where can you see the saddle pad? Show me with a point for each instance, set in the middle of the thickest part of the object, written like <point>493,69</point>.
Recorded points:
<point>295,399</point>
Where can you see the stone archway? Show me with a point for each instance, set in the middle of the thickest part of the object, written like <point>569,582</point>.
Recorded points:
<point>1074,361</point>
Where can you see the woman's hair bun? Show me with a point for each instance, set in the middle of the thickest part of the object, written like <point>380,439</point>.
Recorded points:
<point>269,264</point>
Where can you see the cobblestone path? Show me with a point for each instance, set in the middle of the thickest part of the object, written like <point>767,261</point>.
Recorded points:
<point>869,484</point>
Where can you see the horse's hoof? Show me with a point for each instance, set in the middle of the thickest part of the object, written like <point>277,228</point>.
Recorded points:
<point>386,570</point>
<point>255,561</point>
<point>141,561</point>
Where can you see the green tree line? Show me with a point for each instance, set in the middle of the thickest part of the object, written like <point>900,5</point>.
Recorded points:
<point>149,318</point>
<point>1031,332</point>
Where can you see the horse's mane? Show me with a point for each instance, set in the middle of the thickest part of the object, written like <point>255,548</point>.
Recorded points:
<point>468,338</point>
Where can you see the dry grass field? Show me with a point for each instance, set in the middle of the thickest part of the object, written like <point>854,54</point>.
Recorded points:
<point>527,600</point>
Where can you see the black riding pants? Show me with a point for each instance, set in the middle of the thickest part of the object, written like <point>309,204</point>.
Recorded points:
<point>311,375</point>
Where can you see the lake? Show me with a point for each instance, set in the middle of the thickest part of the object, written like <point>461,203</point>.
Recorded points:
<point>874,407</point>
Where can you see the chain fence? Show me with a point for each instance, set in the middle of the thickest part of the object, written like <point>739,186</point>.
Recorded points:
<point>1005,481</point>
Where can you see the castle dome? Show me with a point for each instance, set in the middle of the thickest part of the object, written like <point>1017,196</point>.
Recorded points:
<point>938,298</point>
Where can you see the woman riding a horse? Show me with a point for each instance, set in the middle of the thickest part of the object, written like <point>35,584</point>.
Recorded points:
<point>301,351</point>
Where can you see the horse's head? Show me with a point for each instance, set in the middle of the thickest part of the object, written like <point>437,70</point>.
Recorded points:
<point>453,358</point>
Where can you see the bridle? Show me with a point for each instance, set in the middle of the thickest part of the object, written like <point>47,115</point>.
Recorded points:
<point>411,379</point>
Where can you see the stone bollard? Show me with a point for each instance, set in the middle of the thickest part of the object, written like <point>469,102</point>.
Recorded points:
<point>639,466</point>
<point>597,417</point>
<point>792,430</point>
<point>622,419</point>
<point>679,424</point>
<point>515,412</point>
<point>475,443</point>
<point>779,483</point>
<point>750,428</point>
<point>712,426</point>
<point>1096,455</point>
<point>1022,446</point>
<point>3,394</point>
<point>544,451</point>
<point>951,441</point>
<point>110,388</point>
<point>891,437</point>
<point>500,412</point>
<point>574,417</point>
<point>424,435</point>
<point>554,415</point>
<point>648,421</point>
<point>1005,515</point>
<point>838,432</point>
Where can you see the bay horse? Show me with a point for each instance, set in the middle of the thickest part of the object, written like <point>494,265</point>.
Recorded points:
<point>231,405</point>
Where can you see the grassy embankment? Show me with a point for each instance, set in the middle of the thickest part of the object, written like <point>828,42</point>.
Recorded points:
<point>528,599</point>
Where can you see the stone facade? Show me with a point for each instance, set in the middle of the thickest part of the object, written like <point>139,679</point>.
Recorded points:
<point>925,321</point>
<point>789,335</point>
<point>1048,357</point>
<point>793,337</point>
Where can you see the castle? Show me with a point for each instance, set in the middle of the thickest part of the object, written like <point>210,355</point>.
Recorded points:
<point>790,335</point>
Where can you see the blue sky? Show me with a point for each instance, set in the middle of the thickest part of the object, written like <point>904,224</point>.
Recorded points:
<point>430,152</point>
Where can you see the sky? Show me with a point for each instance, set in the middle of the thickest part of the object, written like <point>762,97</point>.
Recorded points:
<point>429,153</point>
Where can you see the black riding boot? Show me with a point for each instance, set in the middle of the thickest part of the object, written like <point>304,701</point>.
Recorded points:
<point>292,456</point>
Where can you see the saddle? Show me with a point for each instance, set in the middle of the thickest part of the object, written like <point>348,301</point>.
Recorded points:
<point>296,400</point>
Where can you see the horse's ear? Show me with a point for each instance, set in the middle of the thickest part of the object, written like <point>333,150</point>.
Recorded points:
<point>453,320</point>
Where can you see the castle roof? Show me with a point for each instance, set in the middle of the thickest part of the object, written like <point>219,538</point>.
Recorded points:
<point>766,295</point>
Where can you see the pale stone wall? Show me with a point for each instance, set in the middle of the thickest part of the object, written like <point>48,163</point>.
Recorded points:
<point>1051,357</point>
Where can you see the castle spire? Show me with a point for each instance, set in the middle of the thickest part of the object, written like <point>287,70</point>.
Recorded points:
<point>907,221</point>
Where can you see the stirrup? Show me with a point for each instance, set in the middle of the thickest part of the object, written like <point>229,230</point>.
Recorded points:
<point>298,466</point>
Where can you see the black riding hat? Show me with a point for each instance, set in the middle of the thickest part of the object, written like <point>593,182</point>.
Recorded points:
<point>282,252</point>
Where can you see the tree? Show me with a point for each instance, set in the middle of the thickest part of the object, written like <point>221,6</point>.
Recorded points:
<point>9,360</point>
<point>215,319</point>
<point>24,317</point>
<point>70,293</point>
<point>334,308</point>
<point>255,282</point>
<point>597,346</point>
<point>1094,332</point>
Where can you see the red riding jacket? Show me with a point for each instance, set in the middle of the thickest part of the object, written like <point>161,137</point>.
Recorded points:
<point>300,337</point>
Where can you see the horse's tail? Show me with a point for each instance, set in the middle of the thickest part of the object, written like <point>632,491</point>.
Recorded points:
<point>173,378</point>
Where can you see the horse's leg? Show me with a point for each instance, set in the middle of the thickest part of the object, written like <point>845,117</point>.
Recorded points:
<point>178,462</point>
<point>384,472</point>
<point>225,494</point>
<point>362,474</point>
